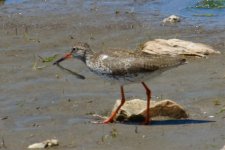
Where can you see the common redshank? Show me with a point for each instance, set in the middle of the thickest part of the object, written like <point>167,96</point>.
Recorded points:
<point>124,66</point>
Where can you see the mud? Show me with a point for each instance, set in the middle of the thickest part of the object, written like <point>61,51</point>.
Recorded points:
<point>47,103</point>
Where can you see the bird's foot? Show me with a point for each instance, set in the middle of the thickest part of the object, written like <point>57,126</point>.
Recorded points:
<point>106,120</point>
<point>110,119</point>
<point>146,122</point>
<point>102,122</point>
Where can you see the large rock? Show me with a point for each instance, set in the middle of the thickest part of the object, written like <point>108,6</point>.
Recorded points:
<point>135,110</point>
<point>177,47</point>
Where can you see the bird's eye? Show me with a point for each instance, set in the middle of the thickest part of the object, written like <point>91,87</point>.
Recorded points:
<point>74,49</point>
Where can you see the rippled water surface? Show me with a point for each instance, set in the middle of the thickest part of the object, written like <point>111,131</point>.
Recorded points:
<point>186,9</point>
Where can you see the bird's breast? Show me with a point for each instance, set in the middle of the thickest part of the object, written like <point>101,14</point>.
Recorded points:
<point>97,64</point>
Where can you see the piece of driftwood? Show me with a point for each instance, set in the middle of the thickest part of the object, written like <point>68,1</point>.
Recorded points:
<point>135,110</point>
<point>175,47</point>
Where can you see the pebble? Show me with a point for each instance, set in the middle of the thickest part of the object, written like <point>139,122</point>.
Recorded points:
<point>171,19</point>
<point>44,144</point>
<point>211,116</point>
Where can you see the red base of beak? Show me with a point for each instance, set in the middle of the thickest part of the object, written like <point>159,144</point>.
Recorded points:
<point>69,55</point>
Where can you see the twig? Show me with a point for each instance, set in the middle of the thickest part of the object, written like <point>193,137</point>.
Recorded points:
<point>136,129</point>
<point>35,67</point>
<point>3,143</point>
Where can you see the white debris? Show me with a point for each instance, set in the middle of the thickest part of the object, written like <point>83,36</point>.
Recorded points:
<point>44,144</point>
<point>37,145</point>
<point>171,19</point>
<point>211,116</point>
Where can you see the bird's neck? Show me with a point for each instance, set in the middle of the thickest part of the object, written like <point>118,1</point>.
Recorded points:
<point>88,54</point>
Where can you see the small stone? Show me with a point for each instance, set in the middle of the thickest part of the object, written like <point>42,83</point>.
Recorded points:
<point>211,116</point>
<point>171,19</point>
<point>117,12</point>
<point>57,76</point>
<point>4,118</point>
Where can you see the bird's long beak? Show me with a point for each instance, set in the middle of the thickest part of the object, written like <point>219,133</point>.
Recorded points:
<point>68,55</point>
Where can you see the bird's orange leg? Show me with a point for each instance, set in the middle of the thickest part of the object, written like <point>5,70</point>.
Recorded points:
<point>110,119</point>
<point>148,93</point>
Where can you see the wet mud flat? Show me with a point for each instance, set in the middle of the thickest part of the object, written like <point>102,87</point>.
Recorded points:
<point>47,103</point>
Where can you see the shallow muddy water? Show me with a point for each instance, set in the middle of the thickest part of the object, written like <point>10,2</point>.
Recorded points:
<point>48,103</point>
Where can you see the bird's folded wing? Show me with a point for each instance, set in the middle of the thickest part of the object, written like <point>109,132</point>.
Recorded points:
<point>126,64</point>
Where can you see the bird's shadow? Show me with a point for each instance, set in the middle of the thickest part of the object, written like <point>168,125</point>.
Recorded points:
<point>77,75</point>
<point>173,122</point>
<point>160,122</point>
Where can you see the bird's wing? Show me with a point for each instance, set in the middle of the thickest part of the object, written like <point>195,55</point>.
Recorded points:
<point>123,62</point>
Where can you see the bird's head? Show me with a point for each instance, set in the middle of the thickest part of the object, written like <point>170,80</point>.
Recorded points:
<point>78,51</point>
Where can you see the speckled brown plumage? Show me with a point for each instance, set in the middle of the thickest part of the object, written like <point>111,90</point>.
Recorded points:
<point>124,65</point>
<point>128,62</point>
